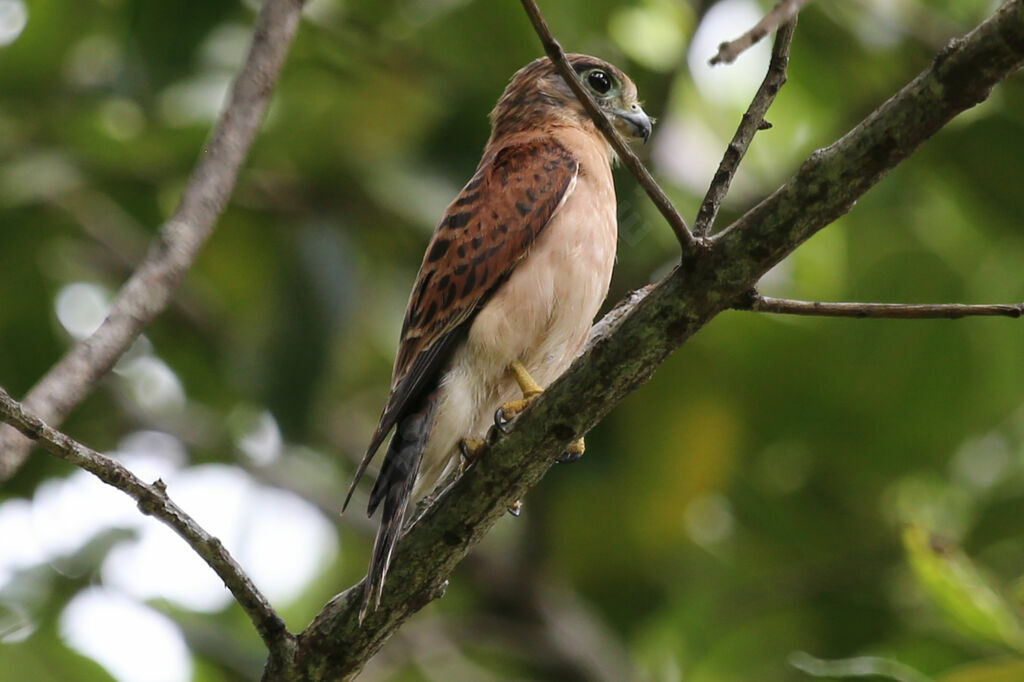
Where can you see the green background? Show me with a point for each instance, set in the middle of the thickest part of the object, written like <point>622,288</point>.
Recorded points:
<point>760,496</point>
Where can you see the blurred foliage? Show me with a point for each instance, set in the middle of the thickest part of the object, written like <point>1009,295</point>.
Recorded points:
<point>746,504</point>
<point>956,584</point>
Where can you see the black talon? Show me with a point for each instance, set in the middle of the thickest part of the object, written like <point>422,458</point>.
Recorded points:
<point>500,421</point>
<point>464,451</point>
<point>493,434</point>
<point>516,509</point>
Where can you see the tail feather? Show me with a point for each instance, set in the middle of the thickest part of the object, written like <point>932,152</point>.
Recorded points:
<point>394,487</point>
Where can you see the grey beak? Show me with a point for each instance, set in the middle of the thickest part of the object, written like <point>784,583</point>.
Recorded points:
<point>640,123</point>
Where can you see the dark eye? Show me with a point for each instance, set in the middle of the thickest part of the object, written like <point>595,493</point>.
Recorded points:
<point>599,81</point>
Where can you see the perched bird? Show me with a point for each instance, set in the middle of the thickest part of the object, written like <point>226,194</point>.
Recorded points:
<point>509,286</point>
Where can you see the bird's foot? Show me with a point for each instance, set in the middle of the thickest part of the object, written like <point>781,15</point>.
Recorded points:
<point>572,452</point>
<point>516,509</point>
<point>527,384</point>
<point>471,449</point>
<point>507,413</point>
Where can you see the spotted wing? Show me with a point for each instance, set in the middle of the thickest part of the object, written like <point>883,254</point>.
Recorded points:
<point>485,232</point>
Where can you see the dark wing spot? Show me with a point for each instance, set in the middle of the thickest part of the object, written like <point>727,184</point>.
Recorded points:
<point>531,195</point>
<point>430,313</point>
<point>422,288</point>
<point>503,228</point>
<point>476,242</point>
<point>524,209</point>
<point>439,249</point>
<point>457,220</point>
<point>470,283</point>
<point>461,250</point>
<point>449,296</point>
<point>461,268</point>
<point>467,198</point>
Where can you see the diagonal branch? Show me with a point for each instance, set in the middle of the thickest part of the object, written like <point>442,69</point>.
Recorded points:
<point>783,12</point>
<point>646,330</point>
<point>153,501</point>
<point>757,303</point>
<point>629,159</point>
<point>150,288</point>
<point>752,121</point>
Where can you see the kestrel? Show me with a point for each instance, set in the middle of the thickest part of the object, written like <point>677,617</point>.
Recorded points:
<point>509,286</point>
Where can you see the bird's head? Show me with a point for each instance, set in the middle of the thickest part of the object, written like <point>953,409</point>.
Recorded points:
<point>537,94</point>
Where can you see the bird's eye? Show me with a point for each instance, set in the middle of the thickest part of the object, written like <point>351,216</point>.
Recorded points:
<point>599,81</point>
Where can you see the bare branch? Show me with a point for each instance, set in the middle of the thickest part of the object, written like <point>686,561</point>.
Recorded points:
<point>148,291</point>
<point>647,330</point>
<point>894,311</point>
<point>628,157</point>
<point>153,501</point>
<point>782,13</point>
<point>752,121</point>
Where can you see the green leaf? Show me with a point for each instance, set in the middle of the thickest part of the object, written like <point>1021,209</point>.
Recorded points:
<point>953,582</point>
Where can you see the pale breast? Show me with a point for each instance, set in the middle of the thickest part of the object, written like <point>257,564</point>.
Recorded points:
<point>541,316</point>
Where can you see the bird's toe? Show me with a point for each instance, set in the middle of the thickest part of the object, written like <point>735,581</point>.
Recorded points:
<point>471,449</point>
<point>573,452</point>
<point>507,413</point>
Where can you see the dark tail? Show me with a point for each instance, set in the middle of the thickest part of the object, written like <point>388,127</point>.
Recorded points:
<point>393,487</point>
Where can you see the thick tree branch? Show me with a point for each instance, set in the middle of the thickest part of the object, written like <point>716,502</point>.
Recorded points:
<point>752,121</point>
<point>782,13</point>
<point>150,288</point>
<point>626,155</point>
<point>894,311</point>
<point>649,328</point>
<point>153,501</point>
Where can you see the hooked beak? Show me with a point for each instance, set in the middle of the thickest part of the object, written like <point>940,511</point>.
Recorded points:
<point>634,122</point>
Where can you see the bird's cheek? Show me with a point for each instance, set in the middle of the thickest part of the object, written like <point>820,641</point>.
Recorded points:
<point>623,127</point>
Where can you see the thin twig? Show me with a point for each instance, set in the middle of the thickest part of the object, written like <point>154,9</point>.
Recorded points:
<point>153,501</point>
<point>752,121</point>
<point>148,291</point>
<point>629,159</point>
<point>898,311</point>
<point>780,14</point>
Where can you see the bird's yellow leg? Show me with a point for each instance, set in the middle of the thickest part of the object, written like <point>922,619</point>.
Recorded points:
<point>527,385</point>
<point>531,389</point>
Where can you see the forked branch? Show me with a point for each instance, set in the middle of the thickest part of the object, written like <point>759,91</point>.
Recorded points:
<point>782,13</point>
<point>752,121</point>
